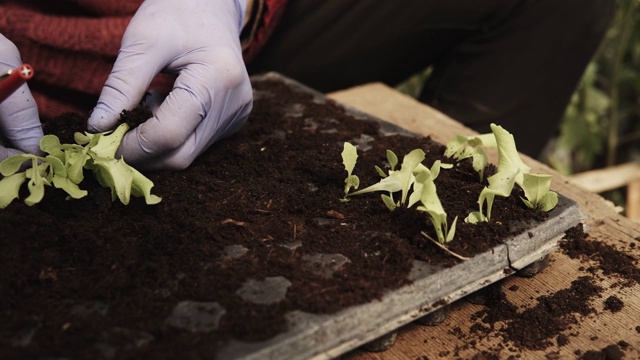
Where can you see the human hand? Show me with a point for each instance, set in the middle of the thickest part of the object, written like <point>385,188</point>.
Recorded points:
<point>20,127</point>
<point>198,41</point>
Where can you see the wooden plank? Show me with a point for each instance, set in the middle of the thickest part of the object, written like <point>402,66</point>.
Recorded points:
<point>592,332</point>
<point>611,178</point>
<point>633,200</point>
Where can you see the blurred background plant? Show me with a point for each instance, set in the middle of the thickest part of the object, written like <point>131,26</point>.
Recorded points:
<point>601,126</point>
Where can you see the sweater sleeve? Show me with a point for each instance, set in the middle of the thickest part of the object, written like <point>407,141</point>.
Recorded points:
<point>265,17</point>
<point>72,44</point>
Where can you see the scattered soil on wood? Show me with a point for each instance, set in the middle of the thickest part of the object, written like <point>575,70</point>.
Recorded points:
<point>536,328</point>
<point>601,257</point>
<point>549,323</point>
<point>92,278</point>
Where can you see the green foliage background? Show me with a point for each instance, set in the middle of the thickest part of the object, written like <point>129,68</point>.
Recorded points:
<point>601,126</point>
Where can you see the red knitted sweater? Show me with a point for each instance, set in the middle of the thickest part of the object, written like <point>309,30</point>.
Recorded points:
<point>72,44</point>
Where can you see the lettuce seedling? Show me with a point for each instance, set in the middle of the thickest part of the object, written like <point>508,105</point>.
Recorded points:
<point>462,147</point>
<point>349,159</point>
<point>64,166</point>
<point>122,179</point>
<point>511,171</point>
<point>416,184</point>
<point>400,180</point>
<point>392,158</point>
<point>537,192</point>
<point>424,192</point>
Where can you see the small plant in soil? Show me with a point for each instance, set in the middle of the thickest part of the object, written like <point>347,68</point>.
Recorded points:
<point>463,147</point>
<point>512,170</point>
<point>63,168</point>
<point>349,158</point>
<point>416,182</point>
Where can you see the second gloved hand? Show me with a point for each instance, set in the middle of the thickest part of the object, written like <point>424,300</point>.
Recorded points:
<point>20,128</point>
<point>198,41</point>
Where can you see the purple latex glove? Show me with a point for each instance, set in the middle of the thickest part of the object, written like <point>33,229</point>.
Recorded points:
<point>198,41</point>
<point>20,126</point>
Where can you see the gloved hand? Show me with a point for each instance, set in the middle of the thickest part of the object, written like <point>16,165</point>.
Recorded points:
<point>198,41</point>
<point>20,127</point>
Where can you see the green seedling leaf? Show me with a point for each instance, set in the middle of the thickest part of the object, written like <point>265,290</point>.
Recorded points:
<point>462,147</point>
<point>508,158</point>
<point>11,165</point>
<point>400,180</point>
<point>10,188</point>
<point>452,230</point>
<point>83,139</point>
<point>380,172</point>
<point>56,165</point>
<point>423,175</point>
<point>479,161</point>
<point>418,187</point>
<point>392,158</point>
<point>61,182</point>
<point>117,175</point>
<point>409,164</point>
<point>510,171</point>
<point>51,145</point>
<point>537,192</point>
<point>141,186</point>
<point>388,201</point>
<point>108,143</point>
<point>35,186</point>
<point>425,187</point>
<point>475,217</point>
<point>75,162</point>
<point>389,184</point>
<point>349,159</point>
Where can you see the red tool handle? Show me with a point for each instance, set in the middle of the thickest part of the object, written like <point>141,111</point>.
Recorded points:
<point>16,78</point>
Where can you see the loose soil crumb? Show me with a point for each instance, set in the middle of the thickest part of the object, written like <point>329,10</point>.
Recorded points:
<point>562,340</point>
<point>613,304</point>
<point>611,352</point>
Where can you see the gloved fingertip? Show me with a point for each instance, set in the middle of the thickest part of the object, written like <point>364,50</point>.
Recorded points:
<point>101,120</point>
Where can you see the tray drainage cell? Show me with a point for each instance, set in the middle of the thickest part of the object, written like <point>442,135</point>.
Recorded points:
<point>534,268</point>
<point>483,295</point>
<point>383,343</point>
<point>233,252</point>
<point>435,317</point>
<point>324,265</point>
<point>195,316</point>
<point>118,342</point>
<point>264,292</point>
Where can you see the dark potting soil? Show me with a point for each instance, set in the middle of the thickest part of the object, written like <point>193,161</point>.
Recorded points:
<point>93,278</point>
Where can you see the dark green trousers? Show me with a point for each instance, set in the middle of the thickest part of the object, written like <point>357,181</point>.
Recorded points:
<point>512,62</point>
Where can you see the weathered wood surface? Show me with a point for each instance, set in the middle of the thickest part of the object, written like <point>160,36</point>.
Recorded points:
<point>593,332</point>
